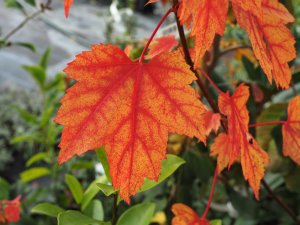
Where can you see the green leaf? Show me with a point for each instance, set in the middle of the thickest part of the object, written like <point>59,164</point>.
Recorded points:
<point>34,137</point>
<point>36,158</point>
<point>47,209</point>
<point>94,210</point>
<point>106,189</point>
<point>75,188</point>
<point>34,173</point>
<point>140,214</point>
<point>169,166</point>
<point>46,116</point>
<point>4,189</point>
<point>37,73</point>
<point>25,115</point>
<point>27,45</point>
<point>103,159</point>
<point>215,222</point>
<point>91,192</point>
<point>45,59</point>
<point>76,218</point>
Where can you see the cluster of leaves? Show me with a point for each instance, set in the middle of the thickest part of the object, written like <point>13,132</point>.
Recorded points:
<point>136,103</point>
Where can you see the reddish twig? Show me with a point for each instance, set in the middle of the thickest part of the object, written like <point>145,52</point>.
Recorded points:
<point>211,194</point>
<point>154,32</point>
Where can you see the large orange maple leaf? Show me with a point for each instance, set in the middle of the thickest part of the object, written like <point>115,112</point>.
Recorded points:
<point>272,42</point>
<point>184,215</point>
<point>207,17</point>
<point>291,131</point>
<point>128,107</point>
<point>238,143</point>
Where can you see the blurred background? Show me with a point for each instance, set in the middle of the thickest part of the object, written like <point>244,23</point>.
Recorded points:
<point>36,43</point>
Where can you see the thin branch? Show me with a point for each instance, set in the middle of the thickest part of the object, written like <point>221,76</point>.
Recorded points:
<point>266,123</point>
<point>281,203</point>
<point>27,19</point>
<point>115,210</point>
<point>211,81</point>
<point>154,32</point>
<point>189,61</point>
<point>228,50</point>
<point>211,194</point>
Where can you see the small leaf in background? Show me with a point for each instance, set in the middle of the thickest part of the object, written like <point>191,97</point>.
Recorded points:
<point>36,158</point>
<point>75,188</point>
<point>103,159</point>
<point>162,44</point>
<point>212,122</point>
<point>94,210</point>
<point>91,192</point>
<point>72,217</point>
<point>215,222</point>
<point>184,215</point>
<point>4,189</point>
<point>25,114</point>
<point>45,59</point>
<point>34,173</point>
<point>38,74</point>
<point>169,166</point>
<point>47,209</point>
<point>291,131</point>
<point>106,189</point>
<point>27,45</point>
<point>140,214</point>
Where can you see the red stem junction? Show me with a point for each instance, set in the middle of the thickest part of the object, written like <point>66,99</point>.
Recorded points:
<point>154,32</point>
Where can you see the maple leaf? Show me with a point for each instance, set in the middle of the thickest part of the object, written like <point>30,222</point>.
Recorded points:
<point>208,18</point>
<point>291,131</point>
<point>273,43</point>
<point>162,44</point>
<point>212,122</point>
<point>184,215</point>
<point>12,210</point>
<point>128,107</point>
<point>238,143</point>
<point>253,6</point>
<point>67,4</point>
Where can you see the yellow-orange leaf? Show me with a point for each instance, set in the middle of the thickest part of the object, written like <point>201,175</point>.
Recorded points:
<point>207,18</point>
<point>291,131</point>
<point>184,215</point>
<point>128,107</point>
<point>238,144</point>
<point>272,42</point>
<point>162,44</point>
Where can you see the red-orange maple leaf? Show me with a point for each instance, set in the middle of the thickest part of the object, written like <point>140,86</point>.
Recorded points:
<point>68,4</point>
<point>129,107</point>
<point>162,44</point>
<point>184,215</point>
<point>207,18</point>
<point>238,143</point>
<point>291,131</point>
<point>212,122</point>
<point>273,43</point>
